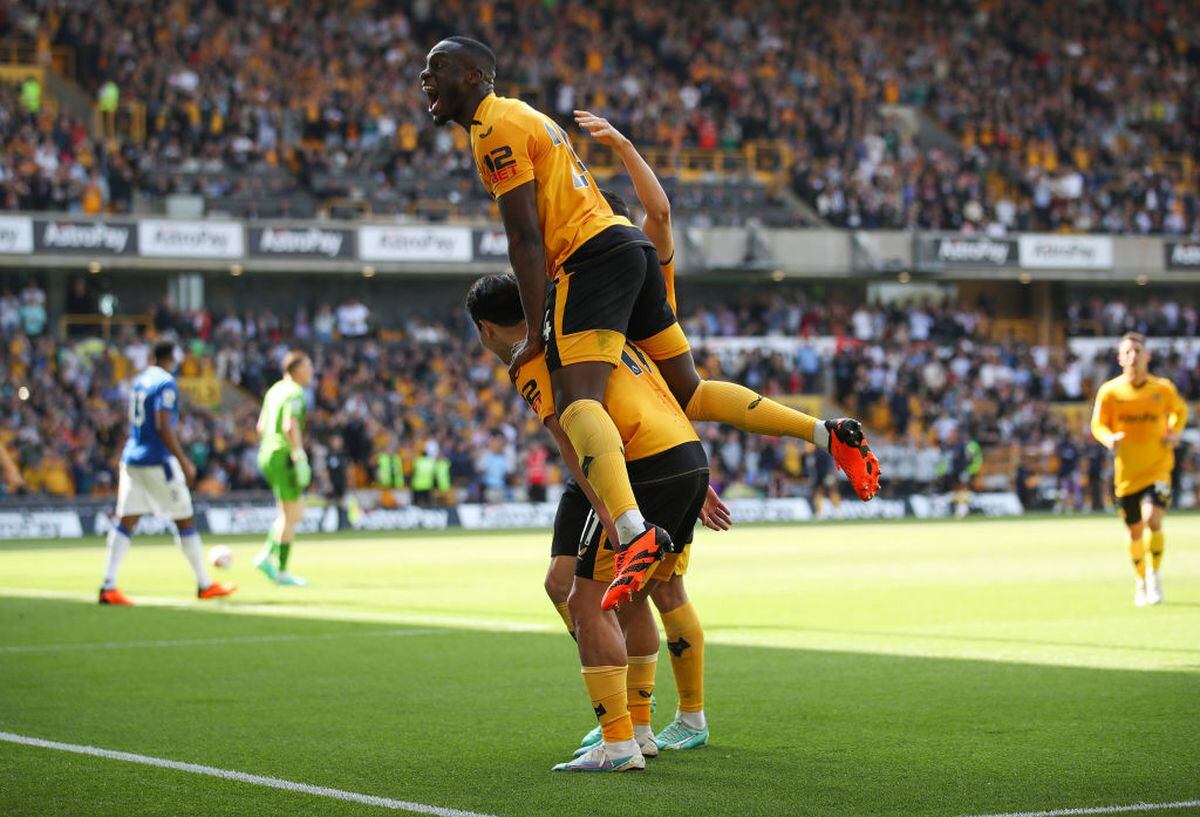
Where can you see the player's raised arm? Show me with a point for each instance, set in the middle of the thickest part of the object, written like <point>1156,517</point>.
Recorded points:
<point>527,254</point>
<point>650,193</point>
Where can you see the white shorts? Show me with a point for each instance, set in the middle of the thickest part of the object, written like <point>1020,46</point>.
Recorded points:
<point>148,489</point>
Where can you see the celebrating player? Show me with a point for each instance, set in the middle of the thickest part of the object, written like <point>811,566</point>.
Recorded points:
<point>669,473</point>
<point>284,464</point>
<point>1139,418</point>
<point>154,478</point>
<point>606,288</point>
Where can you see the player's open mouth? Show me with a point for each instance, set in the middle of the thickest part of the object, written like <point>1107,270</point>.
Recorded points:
<point>432,96</point>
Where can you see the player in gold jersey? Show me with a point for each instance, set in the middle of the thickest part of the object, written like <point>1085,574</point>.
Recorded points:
<point>605,287</point>
<point>1139,417</point>
<point>669,472</point>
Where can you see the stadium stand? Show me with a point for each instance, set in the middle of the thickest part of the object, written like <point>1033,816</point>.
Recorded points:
<point>928,379</point>
<point>933,115</point>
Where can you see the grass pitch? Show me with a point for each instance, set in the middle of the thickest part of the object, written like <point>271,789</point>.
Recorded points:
<point>868,669</point>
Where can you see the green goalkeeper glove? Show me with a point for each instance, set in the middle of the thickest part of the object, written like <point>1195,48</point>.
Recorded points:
<point>303,469</point>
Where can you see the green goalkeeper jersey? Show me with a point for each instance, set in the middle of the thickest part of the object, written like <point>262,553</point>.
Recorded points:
<point>284,399</point>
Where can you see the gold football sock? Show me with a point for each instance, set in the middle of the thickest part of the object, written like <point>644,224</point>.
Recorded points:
<point>685,642</point>
<point>601,455</point>
<point>639,684</point>
<point>738,406</point>
<point>1137,552</point>
<point>606,688</point>
<point>563,611</point>
<point>1157,542</point>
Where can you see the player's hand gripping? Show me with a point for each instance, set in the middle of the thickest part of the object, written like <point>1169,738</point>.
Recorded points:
<point>524,351</point>
<point>600,129</point>
<point>189,472</point>
<point>714,514</point>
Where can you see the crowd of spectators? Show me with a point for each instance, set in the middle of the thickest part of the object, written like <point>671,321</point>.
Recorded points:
<point>1052,118</point>
<point>1156,317</point>
<point>927,379</point>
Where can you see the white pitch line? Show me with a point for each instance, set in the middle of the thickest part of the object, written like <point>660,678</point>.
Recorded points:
<point>242,777</point>
<point>1065,812</point>
<point>200,642</point>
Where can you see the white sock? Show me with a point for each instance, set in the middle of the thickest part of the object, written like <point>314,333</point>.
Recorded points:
<point>623,747</point>
<point>118,546</point>
<point>642,731</point>
<point>630,525</point>
<point>193,551</point>
<point>693,720</point>
<point>821,436</point>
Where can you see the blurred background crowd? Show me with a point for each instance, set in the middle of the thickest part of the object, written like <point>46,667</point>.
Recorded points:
<point>981,116</point>
<point>946,403</point>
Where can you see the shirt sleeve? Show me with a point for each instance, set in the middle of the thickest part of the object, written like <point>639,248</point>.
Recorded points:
<point>168,399</point>
<point>294,407</point>
<point>506,156</point>
<point>533,380</point>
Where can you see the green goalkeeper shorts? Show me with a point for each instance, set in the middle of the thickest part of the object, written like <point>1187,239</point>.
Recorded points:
<point>280,474</point>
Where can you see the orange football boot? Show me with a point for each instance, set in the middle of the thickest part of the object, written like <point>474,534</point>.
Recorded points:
<point>114,597</point>
<point>853,457</point>
<point>215,590</point>
<point>634,564</point>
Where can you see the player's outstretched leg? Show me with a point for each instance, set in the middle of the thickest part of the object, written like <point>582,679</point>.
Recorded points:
<point>733,404</point>
<point>118,545</point>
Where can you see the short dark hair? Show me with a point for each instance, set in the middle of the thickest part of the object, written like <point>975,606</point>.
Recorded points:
<point>164,350</point>
<point>478,56</point>
<point>1136,337</point>
<point>618,204</point>
<point>495,298</point>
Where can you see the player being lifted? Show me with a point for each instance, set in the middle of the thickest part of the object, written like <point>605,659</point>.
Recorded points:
<point>154,478</point>
<point>669,473</point>
<point>606,287</point>
<point>284,464</point>
<point>1139,417</point>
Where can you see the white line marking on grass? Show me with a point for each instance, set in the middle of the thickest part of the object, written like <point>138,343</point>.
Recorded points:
<point>298,611</point>
<point>194,642</point>
<point>1064,812</point>
<point>241,777</point>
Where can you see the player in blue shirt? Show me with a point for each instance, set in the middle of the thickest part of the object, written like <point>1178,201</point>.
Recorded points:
<point>155,474</point>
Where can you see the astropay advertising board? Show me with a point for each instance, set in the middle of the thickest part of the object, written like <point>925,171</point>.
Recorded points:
<point>16,235</point>
<point>163,238</point>
<point>388,243</point>
<point>1066,251</point>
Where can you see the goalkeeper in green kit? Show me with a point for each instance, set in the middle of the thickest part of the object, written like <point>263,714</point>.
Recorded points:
<point>284,464</point>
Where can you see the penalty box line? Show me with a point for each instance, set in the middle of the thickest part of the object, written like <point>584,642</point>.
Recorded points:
<point>241,777</point>
<point>1067,812</point>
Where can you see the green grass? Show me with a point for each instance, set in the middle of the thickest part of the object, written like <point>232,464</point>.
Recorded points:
<point>867,669</point>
